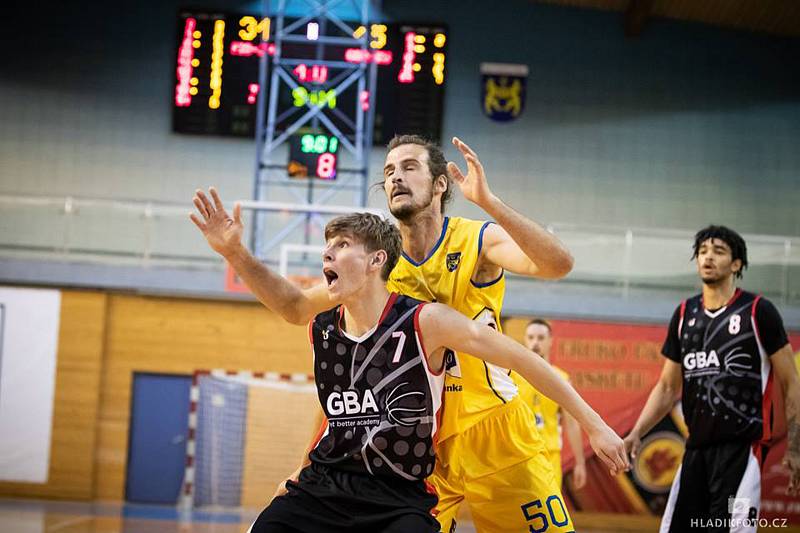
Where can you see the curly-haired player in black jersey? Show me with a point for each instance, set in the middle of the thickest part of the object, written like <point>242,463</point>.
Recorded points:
<point>726,351</point>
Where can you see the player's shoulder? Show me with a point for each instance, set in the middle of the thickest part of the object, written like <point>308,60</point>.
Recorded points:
<point>465,224</point>
<point>467,232</point>
<point>694,300</point>
<point>327,320</point>
<point>748,296</point>
<point>403,301</point>
<point>692,304</point>
<point>764,306</point>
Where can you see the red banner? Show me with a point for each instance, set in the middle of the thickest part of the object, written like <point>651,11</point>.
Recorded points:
<point>614,367</point>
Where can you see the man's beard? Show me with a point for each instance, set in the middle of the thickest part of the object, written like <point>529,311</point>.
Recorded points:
<point>403,212</point>
<point>406,212</point>
<point>712,280</point>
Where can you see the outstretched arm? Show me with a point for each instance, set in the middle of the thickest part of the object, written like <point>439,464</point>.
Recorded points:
<point>573,432</point>
<point>661,400</point>
<point>442,327</point>
<point>224,234</point>
<point>519,244</point>
<point>786,374</point>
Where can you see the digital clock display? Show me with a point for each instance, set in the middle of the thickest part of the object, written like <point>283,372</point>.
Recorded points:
<point>216,75</point>
<point>313,155</point>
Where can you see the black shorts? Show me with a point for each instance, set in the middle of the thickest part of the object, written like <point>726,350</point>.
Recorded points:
<point>716,489</point>
<point>332,501</point>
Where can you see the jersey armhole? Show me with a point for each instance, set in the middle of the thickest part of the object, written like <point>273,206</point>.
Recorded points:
<point>480,235</point>
<point>680,322</point>
<point>320,433</point>
<point>480,247</point>
<point>755,324</point>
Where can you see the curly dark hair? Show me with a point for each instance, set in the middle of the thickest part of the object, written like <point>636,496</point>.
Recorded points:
<point>726,235</point>
<point>437,164</point>
<point>373,232</point>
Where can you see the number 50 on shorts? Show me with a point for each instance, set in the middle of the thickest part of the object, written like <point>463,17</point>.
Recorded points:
<point>541,516</point>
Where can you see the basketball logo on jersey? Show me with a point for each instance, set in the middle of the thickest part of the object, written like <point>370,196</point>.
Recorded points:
<point>401,407</point>
<point>451,365</point>
<point>486,317</point>
<point>452,261</point>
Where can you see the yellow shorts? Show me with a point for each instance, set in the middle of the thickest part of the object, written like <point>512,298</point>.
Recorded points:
<point>555,463</point>
<point>502,470</point>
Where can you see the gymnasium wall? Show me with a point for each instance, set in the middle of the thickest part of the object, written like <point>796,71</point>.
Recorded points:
<point>681,126</point>
<point>178,336</point>
<point>105,338</point>
<point>77,392</point>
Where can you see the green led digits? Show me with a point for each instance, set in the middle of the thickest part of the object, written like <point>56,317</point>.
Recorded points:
<point>319,144</point>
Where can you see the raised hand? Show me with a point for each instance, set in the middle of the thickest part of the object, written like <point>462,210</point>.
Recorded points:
<point>473,185</point>
<point>223,232</point>
<point>610,449</point>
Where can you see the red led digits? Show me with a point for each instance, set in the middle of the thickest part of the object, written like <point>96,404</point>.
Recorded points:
<point>183,97</point>
<point>244,49</point>
<point>313,74</point>
<point>326,166</point>
<point>357,55</point>
<point>409,56</point>
<point>252,93</point>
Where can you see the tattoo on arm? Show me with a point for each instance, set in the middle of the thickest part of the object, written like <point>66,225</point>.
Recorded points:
<point>793,431</point>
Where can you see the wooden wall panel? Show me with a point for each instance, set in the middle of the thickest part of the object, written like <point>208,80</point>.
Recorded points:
<point>280,425</point>
<point>170,335</point>
<point>80,347</point>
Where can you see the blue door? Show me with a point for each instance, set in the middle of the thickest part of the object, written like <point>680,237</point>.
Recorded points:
<point>157,444</point>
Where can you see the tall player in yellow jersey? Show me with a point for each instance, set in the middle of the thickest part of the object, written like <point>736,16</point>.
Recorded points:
<point>489,452</point>
<point>550,418</point>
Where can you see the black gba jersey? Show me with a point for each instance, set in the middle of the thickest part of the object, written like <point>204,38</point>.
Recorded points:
<point>724,358</point>
<point>379,396</point>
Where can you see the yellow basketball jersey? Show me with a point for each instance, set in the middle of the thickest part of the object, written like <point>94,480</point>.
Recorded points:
<point>548,412</point>
<point>472,387</point>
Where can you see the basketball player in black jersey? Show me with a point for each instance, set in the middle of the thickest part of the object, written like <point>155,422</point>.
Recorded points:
<point>379,370</point>
<point>727,351</point>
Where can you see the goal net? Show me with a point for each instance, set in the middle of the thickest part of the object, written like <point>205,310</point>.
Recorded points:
<point>247,433</point>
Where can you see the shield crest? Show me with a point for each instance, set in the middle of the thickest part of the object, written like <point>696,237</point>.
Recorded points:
<point>453,260</point>
<point>503,90</point>
<point>451,365</point>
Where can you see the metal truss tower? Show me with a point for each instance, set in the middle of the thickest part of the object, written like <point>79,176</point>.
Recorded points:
<point>276,120</point>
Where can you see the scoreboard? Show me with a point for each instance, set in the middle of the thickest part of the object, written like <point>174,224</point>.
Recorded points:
<point>217,63</point>
<point>312,155</point>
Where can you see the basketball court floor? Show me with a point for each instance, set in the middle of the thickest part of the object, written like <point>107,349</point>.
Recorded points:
<point>37,516</point>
